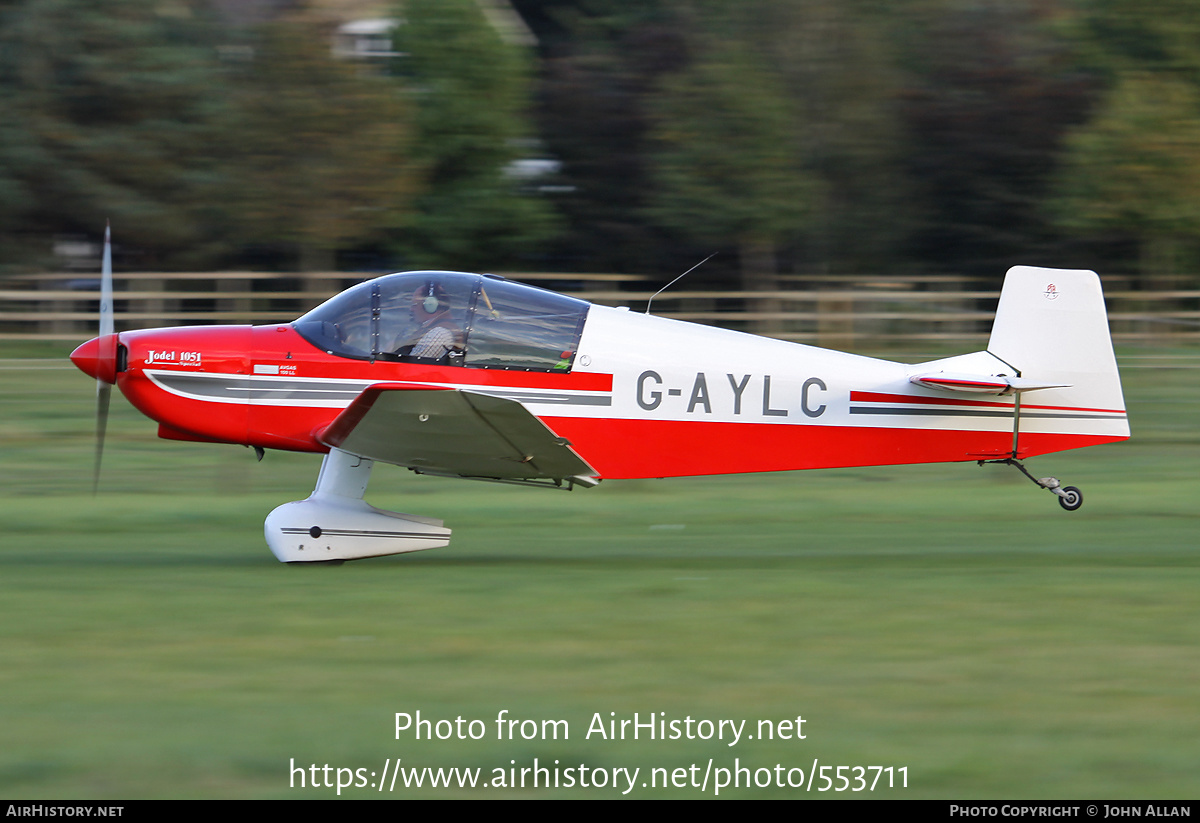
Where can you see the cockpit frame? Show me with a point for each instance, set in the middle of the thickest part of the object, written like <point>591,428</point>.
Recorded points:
<point>450,318</point>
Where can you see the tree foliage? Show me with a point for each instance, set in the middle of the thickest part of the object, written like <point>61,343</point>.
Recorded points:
<point>816,136</point>
<point>1134,169</point>
<point>125,111</point>
<point>108,112</point>
<point>470,93</point>
<point>317,151</point>
<point>602,62</point>
<point>827,66</point>
<point>726,168</point>
<point>992,94</point>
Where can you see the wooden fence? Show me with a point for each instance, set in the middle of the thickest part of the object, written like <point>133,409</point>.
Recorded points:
<point>841,311</point>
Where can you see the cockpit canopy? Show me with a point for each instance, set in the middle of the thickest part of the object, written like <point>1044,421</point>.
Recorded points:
<point>449,318</point>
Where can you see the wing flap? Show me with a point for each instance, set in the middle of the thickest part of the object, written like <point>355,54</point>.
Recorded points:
<point>452,431</point>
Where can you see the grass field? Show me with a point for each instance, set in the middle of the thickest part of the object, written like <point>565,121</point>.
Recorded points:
<point>949,619</point>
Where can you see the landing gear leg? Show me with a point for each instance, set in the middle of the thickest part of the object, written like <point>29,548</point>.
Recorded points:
<point>1069,497</point>
<point>336,524</point>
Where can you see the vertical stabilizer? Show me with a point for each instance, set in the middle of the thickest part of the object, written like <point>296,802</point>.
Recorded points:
<point>1051,326</point>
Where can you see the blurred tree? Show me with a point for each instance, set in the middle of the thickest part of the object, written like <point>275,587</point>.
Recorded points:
<point>469,89</point>
<point>828,62</point>
<point>602,60</point>
<point>1118,36</point>
<point>317,151</point>
<point>1134,170</point>
<point>726,168</point>
<point>993,92</point>
<point>838,70</point>
<point>109,111</point>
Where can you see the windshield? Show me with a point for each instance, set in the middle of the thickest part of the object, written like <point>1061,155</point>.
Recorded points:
<point>449,318</point>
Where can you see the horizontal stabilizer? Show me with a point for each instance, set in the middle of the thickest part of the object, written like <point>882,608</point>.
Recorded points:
<point>981,383</point>
<point>453,432</point>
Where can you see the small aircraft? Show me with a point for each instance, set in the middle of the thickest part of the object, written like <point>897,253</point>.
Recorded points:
<point>476,376</point>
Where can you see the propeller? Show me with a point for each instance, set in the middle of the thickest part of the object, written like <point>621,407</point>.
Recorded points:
<point>107,353</point>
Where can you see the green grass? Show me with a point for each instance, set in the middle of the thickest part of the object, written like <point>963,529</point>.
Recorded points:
<point>951,619</point>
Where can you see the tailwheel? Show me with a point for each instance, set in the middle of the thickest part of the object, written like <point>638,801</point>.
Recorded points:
<point>1070,498</point>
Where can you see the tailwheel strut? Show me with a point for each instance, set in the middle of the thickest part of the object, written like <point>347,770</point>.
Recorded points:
<point>1069,497</point>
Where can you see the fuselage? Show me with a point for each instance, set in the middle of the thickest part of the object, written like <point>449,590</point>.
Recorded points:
<point>636,396</point>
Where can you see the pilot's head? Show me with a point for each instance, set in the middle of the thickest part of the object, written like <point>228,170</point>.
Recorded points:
<point>429,299</point>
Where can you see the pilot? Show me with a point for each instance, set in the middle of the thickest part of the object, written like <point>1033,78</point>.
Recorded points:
<point>436,336</point>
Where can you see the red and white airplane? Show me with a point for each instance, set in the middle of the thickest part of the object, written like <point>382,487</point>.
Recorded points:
<point>476,376</point>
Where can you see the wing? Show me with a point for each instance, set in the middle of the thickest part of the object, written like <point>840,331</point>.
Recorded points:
<point>454,432</point>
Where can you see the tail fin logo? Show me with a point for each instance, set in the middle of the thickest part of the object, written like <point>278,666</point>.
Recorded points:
<point>1051,292</point>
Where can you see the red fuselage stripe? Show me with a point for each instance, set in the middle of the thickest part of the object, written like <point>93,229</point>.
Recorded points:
<point>660,448</point>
